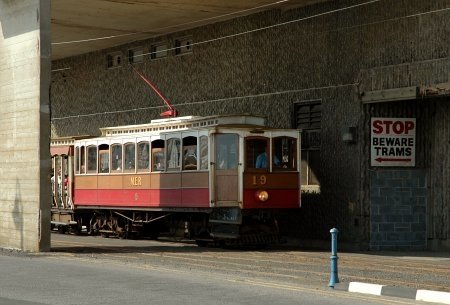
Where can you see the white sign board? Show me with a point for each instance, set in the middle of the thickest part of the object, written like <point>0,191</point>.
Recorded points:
<point>393,142</point>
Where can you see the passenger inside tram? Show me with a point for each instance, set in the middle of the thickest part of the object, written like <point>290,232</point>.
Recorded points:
<point>282,154</point>
<point>190,158</point>
<point>261,160</point>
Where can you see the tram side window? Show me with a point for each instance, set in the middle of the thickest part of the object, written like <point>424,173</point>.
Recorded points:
<point>116,158</point>
<point>82,160</point>
<point>77,160</point>
<point>130,157</point>
<point>256,153</point>
<point>173,154</point>
<point>226,151</point>
<point>103,158</point>
<point>158,155</point>
<point>143,156</point>
<point>190,153</point>
<point>92,159</point>
<point>203,152</point>
<point>284,153</point>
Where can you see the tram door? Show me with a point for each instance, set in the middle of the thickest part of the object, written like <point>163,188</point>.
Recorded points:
<point>56,191</point>
<point>59,181</point>
<point>226,170</point>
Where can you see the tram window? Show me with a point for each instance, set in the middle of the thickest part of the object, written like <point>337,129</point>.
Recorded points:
<point>226,151</point>
<point>284,153</point>
<point>158,155</point>
<point>143,156</point>
<point>203,152</point>
<point>190,153</point>
<point>173,154</point>
<point>256,153</point>
<point>103,158</point>
<point>82,160</point>
<point>130,157</point>
<point>92,159</point>
<point>116,158</point>
<point>77,160</point>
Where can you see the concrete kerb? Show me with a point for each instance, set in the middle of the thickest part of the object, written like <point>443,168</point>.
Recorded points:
<point>393,291</point>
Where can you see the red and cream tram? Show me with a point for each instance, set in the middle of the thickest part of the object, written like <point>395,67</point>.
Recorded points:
<point>216,179</point>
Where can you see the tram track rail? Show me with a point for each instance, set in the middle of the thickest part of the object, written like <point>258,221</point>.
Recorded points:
<point>290,267</point>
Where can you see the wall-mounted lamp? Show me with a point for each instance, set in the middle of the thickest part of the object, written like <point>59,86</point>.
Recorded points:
<point>348,134</point>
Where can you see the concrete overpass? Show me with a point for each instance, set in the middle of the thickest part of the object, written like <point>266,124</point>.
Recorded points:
<point>84,26</point>
<point>35,32</point>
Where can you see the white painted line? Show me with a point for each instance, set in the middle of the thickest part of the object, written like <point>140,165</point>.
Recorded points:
<point>433,296</point>
<point>365,288</point>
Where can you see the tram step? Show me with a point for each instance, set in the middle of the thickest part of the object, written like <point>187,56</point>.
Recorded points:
<point>59,223</point>
<point>225,235</point>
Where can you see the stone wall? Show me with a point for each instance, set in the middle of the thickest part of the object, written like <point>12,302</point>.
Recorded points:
<point>264,72</point>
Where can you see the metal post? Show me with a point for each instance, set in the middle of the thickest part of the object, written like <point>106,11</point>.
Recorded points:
<point>334,258</point>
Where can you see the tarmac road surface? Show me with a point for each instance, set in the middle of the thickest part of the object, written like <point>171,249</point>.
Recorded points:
<point>93,270</point>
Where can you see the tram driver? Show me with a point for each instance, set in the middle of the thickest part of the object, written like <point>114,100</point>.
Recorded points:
<point>261,160</point>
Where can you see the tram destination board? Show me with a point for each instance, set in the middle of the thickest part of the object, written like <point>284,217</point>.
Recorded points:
<point>393,142</point>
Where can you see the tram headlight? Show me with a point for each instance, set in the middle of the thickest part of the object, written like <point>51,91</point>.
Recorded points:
<point>261,196</point>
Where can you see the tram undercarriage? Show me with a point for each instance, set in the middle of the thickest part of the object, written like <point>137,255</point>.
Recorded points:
<point>219,227</point>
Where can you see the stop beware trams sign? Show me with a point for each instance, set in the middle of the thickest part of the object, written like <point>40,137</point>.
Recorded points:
<point>393,142</point>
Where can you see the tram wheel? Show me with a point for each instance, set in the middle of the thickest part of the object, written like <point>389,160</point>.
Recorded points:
<point>62,229</point>
<point>202,243</point>
<point>203,239</point>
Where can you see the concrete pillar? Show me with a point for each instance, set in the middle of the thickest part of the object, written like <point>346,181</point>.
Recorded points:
<point>25,50</point>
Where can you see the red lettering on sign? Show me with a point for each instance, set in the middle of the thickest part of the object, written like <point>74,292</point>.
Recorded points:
<point>409,125</point>
<point>377,127</point>
<point>398,127</point>
<point>389,127</point>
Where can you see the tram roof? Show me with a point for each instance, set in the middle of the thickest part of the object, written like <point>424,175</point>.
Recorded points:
<point>184,123</point>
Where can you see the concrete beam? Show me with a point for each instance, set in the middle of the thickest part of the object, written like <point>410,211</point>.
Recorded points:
<point>25,44</point>
<point>389,95</point>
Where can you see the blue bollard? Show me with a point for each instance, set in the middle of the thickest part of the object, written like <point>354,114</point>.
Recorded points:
<point>334,258</point>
